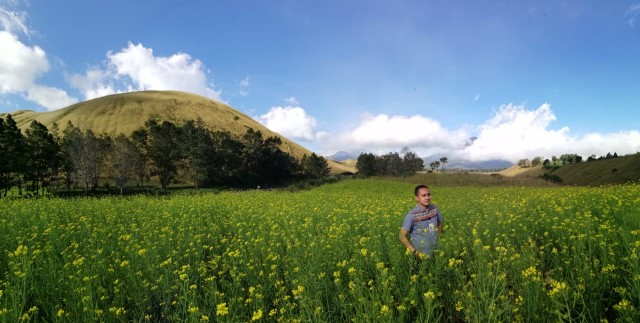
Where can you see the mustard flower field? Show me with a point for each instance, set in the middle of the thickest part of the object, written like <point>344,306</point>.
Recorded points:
<point>330,254</point>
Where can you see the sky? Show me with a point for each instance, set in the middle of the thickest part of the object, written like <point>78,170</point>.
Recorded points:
<point>471,80</point>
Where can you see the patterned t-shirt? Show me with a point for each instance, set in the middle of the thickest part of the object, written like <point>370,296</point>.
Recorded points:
<point>422,226</point>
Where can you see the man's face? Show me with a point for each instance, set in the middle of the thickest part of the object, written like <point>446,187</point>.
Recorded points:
<point>424,197</point>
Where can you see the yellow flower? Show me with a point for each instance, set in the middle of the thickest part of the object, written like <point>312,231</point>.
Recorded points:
<point>384,310</point>
<point>622,305</point>
<point>429,295</point>
<point>256,315</point>
<point>60,313</point>
<point>222,309</point>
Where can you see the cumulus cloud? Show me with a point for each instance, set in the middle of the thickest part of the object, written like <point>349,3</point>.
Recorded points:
<point>49,97</point>
<point>292,122</point>
<point>136,68</point>
<point>513,133</point>
<point>20,67</point>
<point>516,133</point>
<point>382,134</point>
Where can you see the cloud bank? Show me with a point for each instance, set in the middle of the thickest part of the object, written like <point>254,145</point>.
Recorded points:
<point>513,133</point>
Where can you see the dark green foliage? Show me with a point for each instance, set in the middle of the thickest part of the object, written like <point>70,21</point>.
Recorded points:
<point>12,154</point>
<point>551,178</point>
<point>390,164</point>
<point>43,157</point>
<point>314,167</point>
<point>366,164</point>
<point>164,150</point>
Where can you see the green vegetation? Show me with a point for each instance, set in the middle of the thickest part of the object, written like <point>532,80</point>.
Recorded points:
<point>169,152</point>
<point>330,254</point>
<point>391,164</point>
<point>610,169</point>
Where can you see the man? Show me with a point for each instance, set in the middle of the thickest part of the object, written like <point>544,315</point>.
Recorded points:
<point>423,224</point>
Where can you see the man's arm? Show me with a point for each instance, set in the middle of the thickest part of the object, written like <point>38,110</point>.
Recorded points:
<point>405,241</point>
<point>439,229</point>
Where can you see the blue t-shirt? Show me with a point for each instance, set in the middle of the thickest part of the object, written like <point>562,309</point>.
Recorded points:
<point>422,226</point>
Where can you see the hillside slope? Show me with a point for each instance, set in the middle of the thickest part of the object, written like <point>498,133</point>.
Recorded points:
<point>126,112</point>
<point>617,170</point>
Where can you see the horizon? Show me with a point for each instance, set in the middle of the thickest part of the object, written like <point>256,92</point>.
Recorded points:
<point>527,79</point>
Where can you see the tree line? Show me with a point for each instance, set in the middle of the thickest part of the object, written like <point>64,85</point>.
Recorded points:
<point>562,160</point>
<point>391,164</point>
<point>72,159</point>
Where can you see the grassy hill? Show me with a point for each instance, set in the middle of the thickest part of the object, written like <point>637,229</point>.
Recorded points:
<point>126,112</point>
<point>617,170</point>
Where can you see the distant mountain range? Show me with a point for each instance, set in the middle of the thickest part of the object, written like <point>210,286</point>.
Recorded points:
<point>451,163</point>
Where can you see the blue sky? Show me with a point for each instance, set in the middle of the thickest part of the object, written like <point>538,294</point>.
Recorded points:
<point>527,78</point>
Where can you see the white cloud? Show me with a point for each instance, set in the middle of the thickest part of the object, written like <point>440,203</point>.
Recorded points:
<point>244,87</point>
<point>49,97</point>
<point>20,65</point>
<point>513,133</point>
<point>382,133</point>
<point>95,83</point>
<point>632,13</point>
<point>148,72</point>
<point>516,133</point>
<point>136,68</point>
<point>291,101</point>
<point>13,21</point>
<point>291,122</point>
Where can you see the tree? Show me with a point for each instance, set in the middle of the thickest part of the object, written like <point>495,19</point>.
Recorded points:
<point>524,163</point>
<point>12,155</point>
<point>264,162</point>
<point>411,163</point>
<point>123,154</point>
<point>392,163</point>
<point>140,165</point>
<point>366,164</point>
<point>536,161</point>
<point>434,165</point>
<point>164,150</point>
<point>88,154</point>
<point>222,168</point>
<point>197,151</point>
<point>314,166</point>
<point>43,156</point>
<point>443,160</point>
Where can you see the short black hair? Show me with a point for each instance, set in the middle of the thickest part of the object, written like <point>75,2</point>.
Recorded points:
<point>417,189</point>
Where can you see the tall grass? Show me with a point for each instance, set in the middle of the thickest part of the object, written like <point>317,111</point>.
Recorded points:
<point>327,254</point>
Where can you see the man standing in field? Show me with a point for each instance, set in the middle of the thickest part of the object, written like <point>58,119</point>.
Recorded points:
<point>423,224</point>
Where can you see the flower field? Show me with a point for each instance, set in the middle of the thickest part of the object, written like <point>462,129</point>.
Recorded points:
<point>330,254</point>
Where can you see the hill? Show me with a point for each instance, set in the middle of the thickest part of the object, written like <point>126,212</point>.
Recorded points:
<point>126,112</point>
<point>617,170</point>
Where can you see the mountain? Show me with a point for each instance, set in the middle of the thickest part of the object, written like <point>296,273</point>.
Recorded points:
<point>463,164</point>
<point>126,112</point>
<point>343,156</point>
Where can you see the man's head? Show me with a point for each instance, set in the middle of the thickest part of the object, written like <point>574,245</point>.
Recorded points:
<point>423,195</point>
